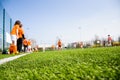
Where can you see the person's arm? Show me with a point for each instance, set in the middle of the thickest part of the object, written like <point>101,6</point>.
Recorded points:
<point>23,36</point>
<point>17,32</point>
<point>17,27</point>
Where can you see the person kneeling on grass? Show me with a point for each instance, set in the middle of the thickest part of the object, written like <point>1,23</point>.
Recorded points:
<point>59,44</point>
<point>25,43</point>
<point>13,49</point>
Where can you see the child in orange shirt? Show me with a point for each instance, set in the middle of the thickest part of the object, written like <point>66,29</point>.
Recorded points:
<point>29,45</point>
<point>20,38</point>
<point>14,33</point>
<point>59,44</point>
<point>25,43</point>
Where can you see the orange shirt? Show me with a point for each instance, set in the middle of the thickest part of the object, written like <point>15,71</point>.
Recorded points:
<point>14,30</point>
<point>25,42</point>
<point>29,42</point>
<point>20,32</point>
<point>52,46</point>
<point>59,42</point>
<point>13,48</point>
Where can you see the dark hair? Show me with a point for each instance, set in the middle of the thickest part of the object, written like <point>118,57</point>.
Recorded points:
<point>17,22</point>
<point>21,25</point>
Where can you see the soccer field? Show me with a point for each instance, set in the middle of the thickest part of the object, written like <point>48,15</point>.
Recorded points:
<point>74,64</point>
<point>6,55</point>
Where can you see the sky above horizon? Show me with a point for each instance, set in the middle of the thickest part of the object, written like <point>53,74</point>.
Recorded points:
<point>70,20</point>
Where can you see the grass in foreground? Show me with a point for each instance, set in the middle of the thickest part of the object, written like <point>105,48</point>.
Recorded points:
<point>76,64</point>
<point>6,55</point>
<point>2,56</point>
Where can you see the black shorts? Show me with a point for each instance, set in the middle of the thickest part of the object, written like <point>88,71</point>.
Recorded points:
<point>59,45</point>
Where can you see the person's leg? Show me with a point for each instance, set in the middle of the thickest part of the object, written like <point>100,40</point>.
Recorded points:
<point>14,41</point>
<point>59,47</point>
<point>20,44</point>
<point>27,48</point>
<point>24,48</point>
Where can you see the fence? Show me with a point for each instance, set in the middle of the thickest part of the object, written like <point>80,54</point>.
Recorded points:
<point>5,26</point>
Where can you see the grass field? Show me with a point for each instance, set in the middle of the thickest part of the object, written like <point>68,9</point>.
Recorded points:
<point>2,56</point>
<point>75,64</point>
<point>6,55</point>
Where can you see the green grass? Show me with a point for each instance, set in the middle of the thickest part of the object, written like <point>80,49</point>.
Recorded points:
<point>6,55</point>
<point>2,56</point>
<point>75,64</point>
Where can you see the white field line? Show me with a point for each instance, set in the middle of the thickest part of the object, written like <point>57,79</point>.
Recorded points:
<point>2,61</point>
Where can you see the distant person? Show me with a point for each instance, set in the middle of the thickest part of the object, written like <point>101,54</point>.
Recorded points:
<point>53,47</point>
<point>59,44</point>
<point>14,33</point>
<point>74,45</point>
<point>109,40</point>
<point>25,44</point>
<point>104,43</point>
<point>36,49</point>
<point>29,45</point>
<point>20,38</point>
<point>81,44</point>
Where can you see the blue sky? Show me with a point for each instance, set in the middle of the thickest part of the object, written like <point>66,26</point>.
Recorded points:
<point>70,20</point>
